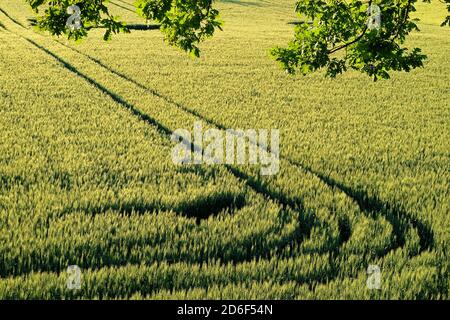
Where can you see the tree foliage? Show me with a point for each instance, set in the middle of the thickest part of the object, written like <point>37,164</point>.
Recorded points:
<point>185,23</point>
<point>335,35</point>
<point>53,17</point>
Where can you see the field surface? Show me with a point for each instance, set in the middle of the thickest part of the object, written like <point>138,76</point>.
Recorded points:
<point>87,179</point>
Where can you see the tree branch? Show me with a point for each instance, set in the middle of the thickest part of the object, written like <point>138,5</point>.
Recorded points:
<point>353,41</point>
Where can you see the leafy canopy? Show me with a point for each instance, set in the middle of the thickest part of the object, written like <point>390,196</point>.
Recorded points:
<point>335,35</point>
<point>185,23</point>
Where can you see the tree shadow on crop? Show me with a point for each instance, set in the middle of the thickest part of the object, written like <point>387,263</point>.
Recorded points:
<point>296,23</point>
<point>143,27</point>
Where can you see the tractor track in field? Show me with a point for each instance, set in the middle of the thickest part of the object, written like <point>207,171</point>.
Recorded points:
<point>368,205</point>
<point>12,19</point>
<point>122,7</point>
<point>163,131</point>
<point>365,202</point>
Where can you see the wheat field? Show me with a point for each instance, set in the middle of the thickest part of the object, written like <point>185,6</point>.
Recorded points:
<point>87,178</point>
